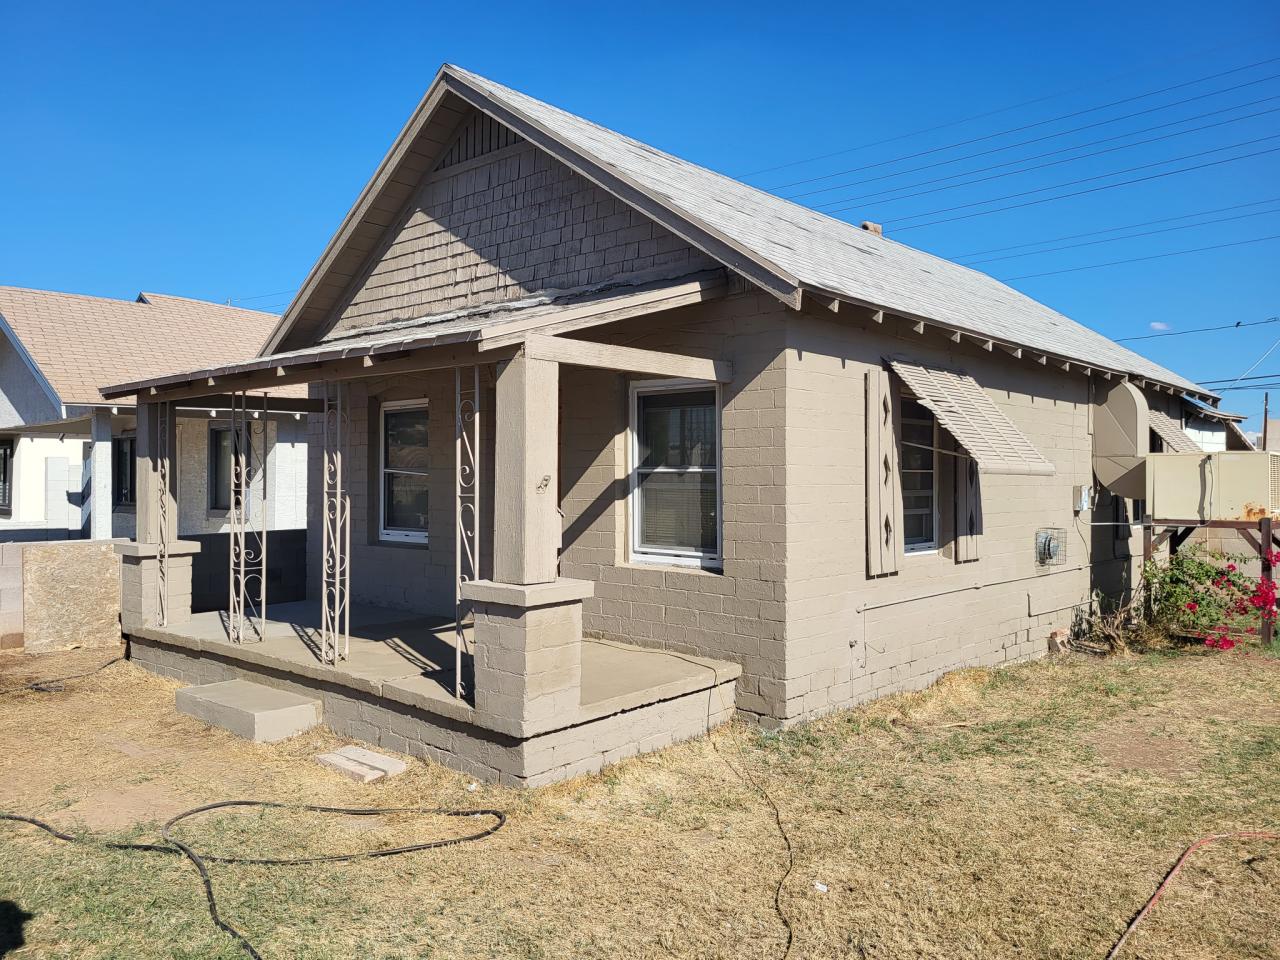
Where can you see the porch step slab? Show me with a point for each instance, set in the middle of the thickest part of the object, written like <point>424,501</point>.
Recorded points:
<point>361,765</point>
<point>250,710</point>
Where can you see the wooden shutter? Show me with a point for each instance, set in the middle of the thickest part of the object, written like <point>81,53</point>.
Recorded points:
<point>968,509</point>
<point>884,512</point>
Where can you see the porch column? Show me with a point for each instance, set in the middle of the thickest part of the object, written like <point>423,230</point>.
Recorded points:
<point>97,486</point>
<point>526,529</point>
<point>528,621</point>
<point>155,571</point>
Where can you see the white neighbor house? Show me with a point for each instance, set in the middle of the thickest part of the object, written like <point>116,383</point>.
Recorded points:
<point>67,465</point>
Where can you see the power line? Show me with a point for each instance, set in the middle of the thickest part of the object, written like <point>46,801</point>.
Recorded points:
<point>1072,183</point>
<point>1182,333</point>
<point>1254,366</point>
<point>1131,236</point>
<point>1054,136</point>
<point>1128,226</point>
<point>1038,166</point>
<point>1037,123</point>
<point>982,116</point>
<point>1154,256</point>
<point>260,296</point>
<point>1076,193</point>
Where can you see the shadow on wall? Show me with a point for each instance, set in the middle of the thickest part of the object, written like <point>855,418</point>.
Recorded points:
<point>38,535</point>
<point>12,921</point>
<point>286,569</point>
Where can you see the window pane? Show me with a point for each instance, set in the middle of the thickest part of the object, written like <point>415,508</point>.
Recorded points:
<point>917,480</point>
<point>405,439</point>
<point>405,501</point>
<point>678,511</point>
<point>677,429</point>
<point>6,473</point>
<point>220,471</point>
<point>917,528</point>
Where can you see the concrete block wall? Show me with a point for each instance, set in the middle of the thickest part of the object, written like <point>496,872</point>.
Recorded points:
<point>850,638</point>
<point>735,614</point>
<point>409,576</point>
<point>509,223</point>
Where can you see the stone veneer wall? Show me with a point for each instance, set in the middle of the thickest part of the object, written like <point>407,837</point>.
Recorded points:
<point>58,595</point>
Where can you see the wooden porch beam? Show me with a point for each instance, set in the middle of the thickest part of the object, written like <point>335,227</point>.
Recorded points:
<point>607,356</point>
<point>350,368</point>
<point>588,315</point>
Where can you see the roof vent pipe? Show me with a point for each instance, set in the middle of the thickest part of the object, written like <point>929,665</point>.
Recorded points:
<point>876,228</point>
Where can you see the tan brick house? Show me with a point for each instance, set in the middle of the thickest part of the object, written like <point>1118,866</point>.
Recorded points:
<point>614,445</point>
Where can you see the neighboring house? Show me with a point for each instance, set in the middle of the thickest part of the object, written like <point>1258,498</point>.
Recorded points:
<point>67,456</point>
<point>671,440</point>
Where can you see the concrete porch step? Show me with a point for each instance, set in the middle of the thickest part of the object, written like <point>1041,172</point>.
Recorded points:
<point>250,710</point>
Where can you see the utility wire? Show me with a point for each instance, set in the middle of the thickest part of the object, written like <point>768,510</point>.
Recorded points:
<point>1061,133</point>
<point>1131,236</point>
<point>1154,256</point>
<point>1076,193</point>
<point>1238,325</point>
<point>260,296</point>
<point>1254,366</point>
<point>1094,233</point>
<point>1037,123</point>
<point>864,197</point>
<point>1072,183</point>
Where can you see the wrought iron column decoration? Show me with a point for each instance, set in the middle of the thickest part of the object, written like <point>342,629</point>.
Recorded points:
<point>248,557</point>
<point>466,501</point>
<point>335,616</point>
<point>163,469</point>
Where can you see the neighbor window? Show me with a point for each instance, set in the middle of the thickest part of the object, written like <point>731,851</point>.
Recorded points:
<point>124,471</point>
<point>404,471</point>
<point>919,478</point>
<point>221,451</point>
<point>675,480</point>
<point>6,476</point>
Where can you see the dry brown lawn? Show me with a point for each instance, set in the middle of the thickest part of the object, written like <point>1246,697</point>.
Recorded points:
<point>1022,813</point>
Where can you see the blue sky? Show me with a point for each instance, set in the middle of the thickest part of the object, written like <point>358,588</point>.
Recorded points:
<point>211,150</point>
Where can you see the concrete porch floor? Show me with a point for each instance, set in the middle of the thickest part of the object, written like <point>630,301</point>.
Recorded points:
<point>403,664</point>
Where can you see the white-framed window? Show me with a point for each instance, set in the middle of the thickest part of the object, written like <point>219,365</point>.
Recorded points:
<point>675,472</point>
<point>403,466</point>
<point>919,461</point>
<point>221,465</point>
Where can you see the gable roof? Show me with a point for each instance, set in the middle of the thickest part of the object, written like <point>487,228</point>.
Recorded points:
<point>785,248</point>
<point>79,343</point>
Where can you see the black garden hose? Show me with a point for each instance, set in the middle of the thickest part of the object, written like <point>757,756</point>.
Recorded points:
<point>173,845</point>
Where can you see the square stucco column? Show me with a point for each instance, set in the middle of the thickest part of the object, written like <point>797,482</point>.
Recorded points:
<point>528,622</point>
<point>528,659</point>
<point>98,475</point>
<point>526,519</point>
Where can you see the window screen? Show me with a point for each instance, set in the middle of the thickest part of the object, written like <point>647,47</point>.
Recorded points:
<point>124,471</point>
<point>220,466</point>
<point>6,474</point>
<point>677,473</point>
<point>404,472</point>
<point>919,477</point>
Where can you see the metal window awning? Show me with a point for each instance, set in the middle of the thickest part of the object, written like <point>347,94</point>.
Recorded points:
<point>1171,432</point>
<point>972,418</point>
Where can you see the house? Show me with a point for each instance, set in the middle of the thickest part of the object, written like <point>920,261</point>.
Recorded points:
<point>614,446</point>
<point>67,456</point>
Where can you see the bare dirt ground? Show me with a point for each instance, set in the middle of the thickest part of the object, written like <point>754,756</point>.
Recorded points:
<point>1022,813</point>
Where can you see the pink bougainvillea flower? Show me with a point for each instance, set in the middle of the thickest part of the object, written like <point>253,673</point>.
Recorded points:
<point>1231,567</point>
<point>1192,606</point>
<point>1226,644</point>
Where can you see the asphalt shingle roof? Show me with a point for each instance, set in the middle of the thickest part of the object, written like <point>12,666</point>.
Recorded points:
<point>831,255</point>
<point>82,343</point>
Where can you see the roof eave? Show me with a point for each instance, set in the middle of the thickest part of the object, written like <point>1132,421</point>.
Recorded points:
<point>990,342</point>
<point>30,363</point>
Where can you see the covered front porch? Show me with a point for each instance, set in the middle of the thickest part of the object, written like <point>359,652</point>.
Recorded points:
<point>438,622</point>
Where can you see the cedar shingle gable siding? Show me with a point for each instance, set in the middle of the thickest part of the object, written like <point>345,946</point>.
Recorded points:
<point>511,222</point>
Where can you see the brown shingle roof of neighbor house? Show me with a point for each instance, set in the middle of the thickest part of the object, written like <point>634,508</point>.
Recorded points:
<point>780,245</point>
<point>81,343</point>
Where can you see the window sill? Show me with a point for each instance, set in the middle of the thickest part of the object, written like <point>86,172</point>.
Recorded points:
<point>688,564</point>
<point>401,544</point>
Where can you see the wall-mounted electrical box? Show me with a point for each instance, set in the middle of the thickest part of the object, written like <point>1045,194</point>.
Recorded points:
<point>1081,498</point>
<point>1199,487</point>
